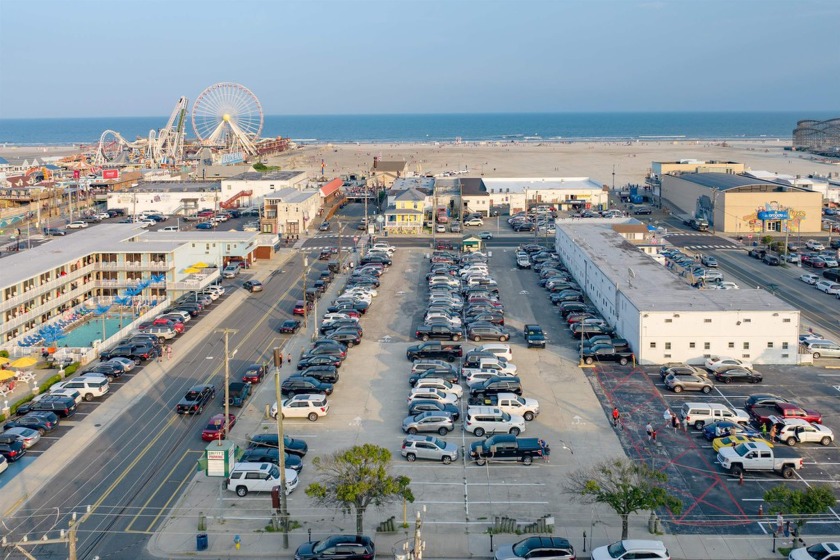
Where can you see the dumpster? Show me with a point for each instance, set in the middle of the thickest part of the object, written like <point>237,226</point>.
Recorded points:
<point>201,541</point>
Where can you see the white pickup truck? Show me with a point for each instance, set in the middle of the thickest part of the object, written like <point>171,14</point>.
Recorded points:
<point>510,403</point>
<point>758,456</point>
<point>491,364</point>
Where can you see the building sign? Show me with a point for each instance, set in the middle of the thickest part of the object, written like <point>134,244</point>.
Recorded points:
<point>230,159</point>
<point>110,173</point>
<point>769,215</point>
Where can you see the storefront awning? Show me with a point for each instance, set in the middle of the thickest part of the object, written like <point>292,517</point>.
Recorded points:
<point>331,188</point>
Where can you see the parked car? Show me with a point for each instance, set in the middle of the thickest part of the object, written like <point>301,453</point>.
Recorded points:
<point>41,420</point>
<point>79,224</point>
<point>307,406</point>
<point>417,406</point>
<point>294,446</point>
<point>11,448</point>
<point>534,548</point>
<point>627,549</point>
<point>737,373</point>
<point>431,421</point>
<point>268,455</point>
<point>196,399</point>
<point>428,447</point>
<point>290,326</point>
<point>344,547</point>
<point>215,429</point>
<point>692,382</point>
<point>713,363</point>
<point>297,385</point>
<point>253,286</point>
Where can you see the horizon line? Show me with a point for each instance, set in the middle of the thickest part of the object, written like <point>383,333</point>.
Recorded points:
<point>698,112</point>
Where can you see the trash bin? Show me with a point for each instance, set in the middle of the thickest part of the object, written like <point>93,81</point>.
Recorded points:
<point>201,541</point>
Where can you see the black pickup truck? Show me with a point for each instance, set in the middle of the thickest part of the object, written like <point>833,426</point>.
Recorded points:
<point>434,350</point>
<point>508,448</point>
<point>445,332</point>
<point>605,353</point>
<point>196,399</point>
<point>137,352</point>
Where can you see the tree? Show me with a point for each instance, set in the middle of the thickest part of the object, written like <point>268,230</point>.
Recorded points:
<point>626,486</point>
<point>356,478</point>
<point>800,505</point>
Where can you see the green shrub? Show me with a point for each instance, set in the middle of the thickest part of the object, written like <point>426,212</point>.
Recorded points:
<point>71,369</point>
<point>4,353</point>
<point>49,382</point>
<point>15,406</point>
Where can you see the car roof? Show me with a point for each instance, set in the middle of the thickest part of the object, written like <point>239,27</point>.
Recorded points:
<point>636,544</point>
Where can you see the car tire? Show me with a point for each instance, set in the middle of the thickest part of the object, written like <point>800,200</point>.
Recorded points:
<point>412,431</point>
<point>477,338</point>
<point>825,441</point>
<point>727,380</point>
<point>241,491</point>
<point>424,338</point>
<point>42,431</point>
<point>699,425</point>
<point>504,338</point>
<point>446,459</point>
<point>514,431</point>
<point>623,361</point>
<point>443,431</point>
<point>816,355</point>
<point>410,457</point>
<point>527,460</point>
<point>456,337</point>
<point>88,397</point>
<point>481,461</point>
<point>312,417</point>
<point>706,390</point>
<point>677,388</point>
<point>528,416</point>
<point>588,361</point>
<point>791,441</point>
<point>737,470</point>
<point>787,471</point>
<point>478,432</point>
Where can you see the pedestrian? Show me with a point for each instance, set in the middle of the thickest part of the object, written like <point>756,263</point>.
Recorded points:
<point>169,352</point>
<point>787,531</point>
<point>160,357</point>
<point>545,451</point>
<point>289,358</point>
<point>281,359</point>
<point>653,435</point>
<point>666,416</point>
<point>780,522</point>
<point>675,422</point>
<point>616,415</point>
<point>773,433</point>
<point>649,430</point>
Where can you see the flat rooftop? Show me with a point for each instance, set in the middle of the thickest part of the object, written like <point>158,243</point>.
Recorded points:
<point>728,181</point>
<point>177,186</point>
<point>405,183</point>
<point>271,176</point>
<point>292,196</point>
<point>519,185</point>
<point>180,237</point>
<point>650,286</point>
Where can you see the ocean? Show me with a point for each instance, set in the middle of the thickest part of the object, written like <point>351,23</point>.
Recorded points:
<point>503,127</point>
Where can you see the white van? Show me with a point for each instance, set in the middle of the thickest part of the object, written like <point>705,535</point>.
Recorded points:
<point>170,228</point>
<point>824,349</point>
<point>700,414</point>
<point>88,387</point>
<point>258,477</point>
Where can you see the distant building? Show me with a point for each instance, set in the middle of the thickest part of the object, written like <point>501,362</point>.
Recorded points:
<point>660,168</point>
<point>744,205</point>
<point>662,317</point>
<point>251,188</point>
<point>175,198</point>
<point>289,211</point>
<point>408,211</point>
<point>384,173</point>
<point>518,194</point>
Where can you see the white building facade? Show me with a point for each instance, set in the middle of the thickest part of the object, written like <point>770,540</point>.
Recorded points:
<point>251,188</point>
<point>666,320</point>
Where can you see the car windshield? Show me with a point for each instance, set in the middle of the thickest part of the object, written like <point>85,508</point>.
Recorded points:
<point>818,552</point>
<point>439,443</point>
<point>192,396</point>
<point>616,549</point>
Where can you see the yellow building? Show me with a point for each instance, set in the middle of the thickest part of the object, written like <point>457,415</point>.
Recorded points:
<point>661,168</point>
<point>742,205</point>
<point>407,212</point>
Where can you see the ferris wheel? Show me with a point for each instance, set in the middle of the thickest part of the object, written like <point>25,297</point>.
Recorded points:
<point>228,114</point>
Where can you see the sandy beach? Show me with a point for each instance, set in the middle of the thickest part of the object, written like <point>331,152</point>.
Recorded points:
<point>598,160</point>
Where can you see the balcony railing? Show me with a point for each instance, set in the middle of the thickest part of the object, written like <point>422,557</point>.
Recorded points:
<point>23,297</point>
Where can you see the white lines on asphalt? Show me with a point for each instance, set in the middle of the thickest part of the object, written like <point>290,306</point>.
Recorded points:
<point>508,502</point>
<point>485,484</point>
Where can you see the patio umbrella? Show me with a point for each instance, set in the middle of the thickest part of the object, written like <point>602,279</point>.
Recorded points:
<point>26,361</point>
<point>200,264</point>
<point>6,374</point>
<point>4,360</point>
<point>191,270</point>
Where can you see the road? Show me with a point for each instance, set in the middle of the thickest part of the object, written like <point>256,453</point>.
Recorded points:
<point>139,465</point>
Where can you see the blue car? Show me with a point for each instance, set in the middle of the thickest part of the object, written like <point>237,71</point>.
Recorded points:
<point>723,428</point>
<point>204,225</point>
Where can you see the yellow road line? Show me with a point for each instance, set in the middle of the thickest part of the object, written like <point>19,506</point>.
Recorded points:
<point>164,481</point>
<point>174,418</point>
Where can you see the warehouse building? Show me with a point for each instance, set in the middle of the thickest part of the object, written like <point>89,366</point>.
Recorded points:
<point>662,317</point>
<point>742,205</point>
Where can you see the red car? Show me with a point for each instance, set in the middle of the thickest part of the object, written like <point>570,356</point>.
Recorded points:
<point>176,326</point>
<point>206,214</point>
<point>299,307</point>
<point>254,374</point>
<point>215,429</point>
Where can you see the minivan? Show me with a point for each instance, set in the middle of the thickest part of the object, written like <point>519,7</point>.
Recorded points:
<point>258,477</point>
<point>500,350</point>
<point>482,420</point>
<point>700,414</point>
<point>824,348</point>
<point>88,387</point>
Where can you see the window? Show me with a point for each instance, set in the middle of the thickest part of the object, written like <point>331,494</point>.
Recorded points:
<point>669,320</point>
<point>784,345</point>
<point>691,345</point>
<point>746,346</point>
<point>769,345</point>
<point>707,346</point>
<point>653,345</point>
<point>707,320</point>
<point>667,346</point>
<point>786,320</point>
<point>732,345</point>
<point>748,320</point>
<point>746,356</point>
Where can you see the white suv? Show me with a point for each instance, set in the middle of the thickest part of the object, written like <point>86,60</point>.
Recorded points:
<point>258,477</point>
<point>440,384</point>
<point>624,550</point>
<point>303,406</point>
<point>481,420</point>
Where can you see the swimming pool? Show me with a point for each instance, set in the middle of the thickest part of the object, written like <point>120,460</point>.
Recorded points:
<point>84,334</point>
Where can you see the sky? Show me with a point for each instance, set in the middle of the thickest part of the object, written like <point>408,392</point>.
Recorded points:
<point>107,58</point>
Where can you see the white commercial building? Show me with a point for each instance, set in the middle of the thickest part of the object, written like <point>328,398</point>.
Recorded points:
<point>172,198</point>
<point>662,317</point>
<point>251,188</point>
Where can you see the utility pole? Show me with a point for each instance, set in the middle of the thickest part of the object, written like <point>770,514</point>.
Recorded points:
<point>69,537</point>
<point>227,333</point>
<point>305,302</point>
<point>281,445</point>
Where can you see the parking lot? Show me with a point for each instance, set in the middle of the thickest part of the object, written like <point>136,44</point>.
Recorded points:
<point>369,404</point>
